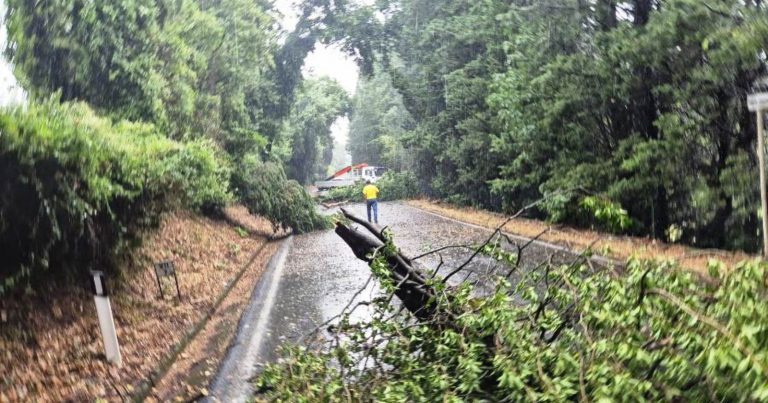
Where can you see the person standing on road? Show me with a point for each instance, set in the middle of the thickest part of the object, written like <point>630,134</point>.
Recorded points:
<point>371,194</point>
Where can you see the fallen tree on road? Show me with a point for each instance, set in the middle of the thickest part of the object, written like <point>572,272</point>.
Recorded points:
<point>411,283</point>
<point>559,333</point>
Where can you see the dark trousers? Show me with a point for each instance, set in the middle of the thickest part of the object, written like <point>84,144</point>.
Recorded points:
<point>372,205</point>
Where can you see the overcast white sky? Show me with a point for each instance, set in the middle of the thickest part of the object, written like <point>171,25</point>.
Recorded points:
<point>327,61</point>
<point>10,92</point>
<point>324,60</point>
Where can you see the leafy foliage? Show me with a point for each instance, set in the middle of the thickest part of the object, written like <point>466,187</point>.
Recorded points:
<point>637,109</point>
<point>597,212</point>
<point>379,124</point>
<point>346,193</point>
<point>557,333</point>
<point>443,56</point>
<point>392,186</point>
<point>206,72</point>
<point>642,102</point>
<point>191,70</point>
<point>308,128</point>
<point>265,190</point>
<point>77,188</point>
<point>607,212</point>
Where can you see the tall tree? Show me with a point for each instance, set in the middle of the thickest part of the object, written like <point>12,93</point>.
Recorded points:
<point>100,52</point>
<point>379,124</point>
<point>640,101</point>
<point>656,109</point>
<point>307,131</point>
<point>189,67</point>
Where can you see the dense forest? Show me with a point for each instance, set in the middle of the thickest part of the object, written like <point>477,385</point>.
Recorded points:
<point>139,107</point>
<point>630,111</point>
<point>635,107</point>
<point>641,103</point>
<point>630,116</point>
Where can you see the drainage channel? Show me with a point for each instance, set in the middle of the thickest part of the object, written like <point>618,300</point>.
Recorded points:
<point>233,381</point>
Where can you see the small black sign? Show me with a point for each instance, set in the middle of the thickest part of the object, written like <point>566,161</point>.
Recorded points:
<point>166,269</point>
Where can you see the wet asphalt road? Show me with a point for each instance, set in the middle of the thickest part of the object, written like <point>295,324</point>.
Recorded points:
<point>314,276</point>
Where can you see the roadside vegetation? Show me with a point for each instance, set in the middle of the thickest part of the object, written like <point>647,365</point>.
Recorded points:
<point>640,103</point>
<point>52,346</point>
<point>139,108</point>
<point>263,187</point>
<point>77,189</point>
<point>140,118</point>
<point>623,117</point>
<point>619,248</point>
<point>392,186</point>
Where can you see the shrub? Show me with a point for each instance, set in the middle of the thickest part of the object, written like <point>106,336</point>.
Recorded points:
<point>587,211</point>
<point>202,170</point>
<point>265,190</point>
<point>398,186</point>
<point>346,193</point>
<point>393,186</point>
<point>607,214</point>
<point>76,188</point>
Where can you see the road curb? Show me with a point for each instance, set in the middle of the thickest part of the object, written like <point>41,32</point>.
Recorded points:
<point>142,392</point>
<point>255,314</point>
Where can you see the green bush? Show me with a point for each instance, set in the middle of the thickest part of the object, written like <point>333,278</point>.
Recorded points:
<point>587,211</point>
<point>607,214</point>
<point>204,173</point>
<point>76,188</point>
<point>392,186</point>
<point>346,193</point>
<point>265,190</point>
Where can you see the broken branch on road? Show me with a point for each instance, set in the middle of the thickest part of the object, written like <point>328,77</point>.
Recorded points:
<point>413,289</point>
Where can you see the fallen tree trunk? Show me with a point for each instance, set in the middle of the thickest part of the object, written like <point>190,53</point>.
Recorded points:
<point>410,283</point>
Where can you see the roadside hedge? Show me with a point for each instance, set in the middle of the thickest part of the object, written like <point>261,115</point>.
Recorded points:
<point>76,189</point>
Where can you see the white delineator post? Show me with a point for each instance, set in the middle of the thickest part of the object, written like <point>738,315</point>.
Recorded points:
<point>106,320</point>
<point>759,104</point>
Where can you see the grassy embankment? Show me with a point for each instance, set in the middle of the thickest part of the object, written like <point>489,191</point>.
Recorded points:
<point>401,186</point>
<point>82,192</point>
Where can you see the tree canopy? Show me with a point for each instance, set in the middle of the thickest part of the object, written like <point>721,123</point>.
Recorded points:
<point>307,129</point>
<point>221,70</point>
<point>641,103</point>
<point>379,124</point>
<point>191,103</point>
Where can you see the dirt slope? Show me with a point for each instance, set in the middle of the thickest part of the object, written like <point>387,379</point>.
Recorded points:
<point>50,345</point>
